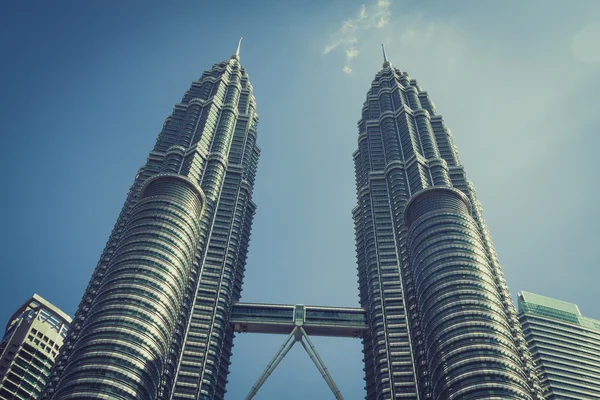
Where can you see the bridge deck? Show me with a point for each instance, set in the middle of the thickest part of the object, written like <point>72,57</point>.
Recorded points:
<point>282,318</point>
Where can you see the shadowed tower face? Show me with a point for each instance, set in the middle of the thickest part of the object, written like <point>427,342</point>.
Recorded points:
<point>441,321</point>
<point>153,320</point>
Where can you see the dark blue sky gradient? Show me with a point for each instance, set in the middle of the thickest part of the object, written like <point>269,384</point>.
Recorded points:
<point>85,88</point>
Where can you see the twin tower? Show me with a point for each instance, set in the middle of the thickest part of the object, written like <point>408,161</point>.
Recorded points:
<point>158,317</point>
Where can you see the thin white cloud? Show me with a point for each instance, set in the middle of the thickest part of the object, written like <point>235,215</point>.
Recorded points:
<point>331,47</point>
<point>351,53</point>
<point>384,13</point>
<point>347,37</point>
<point>585,44</point>
<point>362,14</point>
<point>382,22</point>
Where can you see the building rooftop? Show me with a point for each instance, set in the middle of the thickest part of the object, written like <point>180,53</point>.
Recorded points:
<point>531,303</point>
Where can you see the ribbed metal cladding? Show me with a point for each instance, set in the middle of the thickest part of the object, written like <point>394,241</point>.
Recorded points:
<point>202,352</point>
<point>404,148</point>
<point>467,336</point>
<point>209,140</point>
<point>125,339</point>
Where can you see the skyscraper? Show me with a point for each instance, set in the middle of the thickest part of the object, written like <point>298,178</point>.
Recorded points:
<point>157,319</point>
<point>152,321</point>
<point>34,334</point>
<point>441,321</point>
<point>565,346</point>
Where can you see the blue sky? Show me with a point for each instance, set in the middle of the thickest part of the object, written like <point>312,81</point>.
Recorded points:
<point>85,88</point>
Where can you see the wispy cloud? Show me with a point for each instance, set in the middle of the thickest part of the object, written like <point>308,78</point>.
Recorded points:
<point>351,53</point>
<point>585,44</point>
<point>384,14</point>
<point>347,37</point>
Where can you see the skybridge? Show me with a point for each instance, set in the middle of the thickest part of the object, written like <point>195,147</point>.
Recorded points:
<point>298,322</point>
<point>283,318</point>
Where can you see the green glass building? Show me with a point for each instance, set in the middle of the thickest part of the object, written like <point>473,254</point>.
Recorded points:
<point>565,346</point>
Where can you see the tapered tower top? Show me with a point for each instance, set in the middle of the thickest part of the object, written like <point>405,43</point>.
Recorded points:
<point>236,56</point>
<point>386,63</point>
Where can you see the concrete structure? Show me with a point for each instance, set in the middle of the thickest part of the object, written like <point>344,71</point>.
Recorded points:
<point>565,347</point>
<point>441,321</point>
<point>34,334</point>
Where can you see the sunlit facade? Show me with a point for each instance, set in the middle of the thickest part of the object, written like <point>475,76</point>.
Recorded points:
<point>565,347</point>
<point>33,337</point>
<point>441,321</point>
<point>153,320</point>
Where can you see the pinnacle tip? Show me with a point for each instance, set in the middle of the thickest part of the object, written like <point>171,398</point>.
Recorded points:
<point>237,50</point>
<point>386,63</point>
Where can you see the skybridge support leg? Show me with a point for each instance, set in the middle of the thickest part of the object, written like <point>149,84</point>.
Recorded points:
<point>320,365</point>
<point>324,374</point>
<point>298,333</point>
<point>281,353</point>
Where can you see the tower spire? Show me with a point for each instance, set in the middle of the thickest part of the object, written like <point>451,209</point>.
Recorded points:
<point>236,56</point>
<point>386,63</point>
